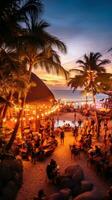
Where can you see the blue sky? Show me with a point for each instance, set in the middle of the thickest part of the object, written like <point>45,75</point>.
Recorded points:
<point>84,25</point>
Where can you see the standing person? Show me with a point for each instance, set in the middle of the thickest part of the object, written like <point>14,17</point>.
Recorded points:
<point>110,137</point>
<point>74,115</point>
<point>33,155</point>
<point>75,132</point>
<point>49,171</point>
<point>105,134</point>
<point>79,122</point>
<point>52,170</point>
<point>62,136</point>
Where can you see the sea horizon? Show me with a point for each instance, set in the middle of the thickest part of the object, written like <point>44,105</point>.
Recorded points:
<point>77,96</point>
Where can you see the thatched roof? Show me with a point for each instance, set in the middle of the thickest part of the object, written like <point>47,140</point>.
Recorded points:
<point>40,92</point>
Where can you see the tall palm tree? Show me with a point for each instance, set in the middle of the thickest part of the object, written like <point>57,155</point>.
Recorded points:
<point>22,30</point>
<point>13,15</point>
<point>36,49</point>
<point>20,89</point>
<point>35,40</point>
<point>52,63</point>
<point>92,75</point>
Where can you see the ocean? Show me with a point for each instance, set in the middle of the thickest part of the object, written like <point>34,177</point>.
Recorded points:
<point>79,99</point>
<point>77,96</point>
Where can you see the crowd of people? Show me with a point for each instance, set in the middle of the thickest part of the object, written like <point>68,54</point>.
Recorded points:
<point>32,145</point>
<point>92,137</point>
<point>95,141</point>
<point>97,145</point>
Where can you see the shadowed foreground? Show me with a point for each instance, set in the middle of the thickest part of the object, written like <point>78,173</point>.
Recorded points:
<point>35,176</point>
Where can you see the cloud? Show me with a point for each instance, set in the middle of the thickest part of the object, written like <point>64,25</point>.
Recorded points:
<point>51,80</point>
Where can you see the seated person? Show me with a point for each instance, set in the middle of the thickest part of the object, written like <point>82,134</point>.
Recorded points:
<point>53,164</point>
<point>97,151</point>
<point>41,152</point>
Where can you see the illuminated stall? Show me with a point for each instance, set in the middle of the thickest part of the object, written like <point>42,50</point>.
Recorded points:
<point>40,103</point>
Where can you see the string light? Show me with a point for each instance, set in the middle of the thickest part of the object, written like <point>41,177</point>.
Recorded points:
<point>30,112</point>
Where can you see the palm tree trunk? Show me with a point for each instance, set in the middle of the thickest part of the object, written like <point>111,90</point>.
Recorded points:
<point>5,108</point>
<point>96,116</point>
<point>94,100</point>
<point>14,133</point>
<point>86,99</point>
<point>30,71</point>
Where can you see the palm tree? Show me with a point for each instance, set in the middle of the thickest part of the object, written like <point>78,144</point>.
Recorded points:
<point>37,40</point>
<point>20,90</point>
<point>10,67</point>
<point>52,63</point>
<point>37,50</point>
<point>13,14</point>
<point>23,31</point>
<point>92,76</point>
<point>36,47</point>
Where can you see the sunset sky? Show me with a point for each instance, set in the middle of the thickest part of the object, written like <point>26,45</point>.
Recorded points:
<point>83,25</point>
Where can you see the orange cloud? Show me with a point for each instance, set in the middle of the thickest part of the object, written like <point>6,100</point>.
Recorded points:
<point>57,81</point>
<point>51,80</point>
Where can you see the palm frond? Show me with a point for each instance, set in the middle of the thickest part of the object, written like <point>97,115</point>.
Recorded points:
<point>109,50</point>
<point>104,62</point>
<point>4,101</point>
